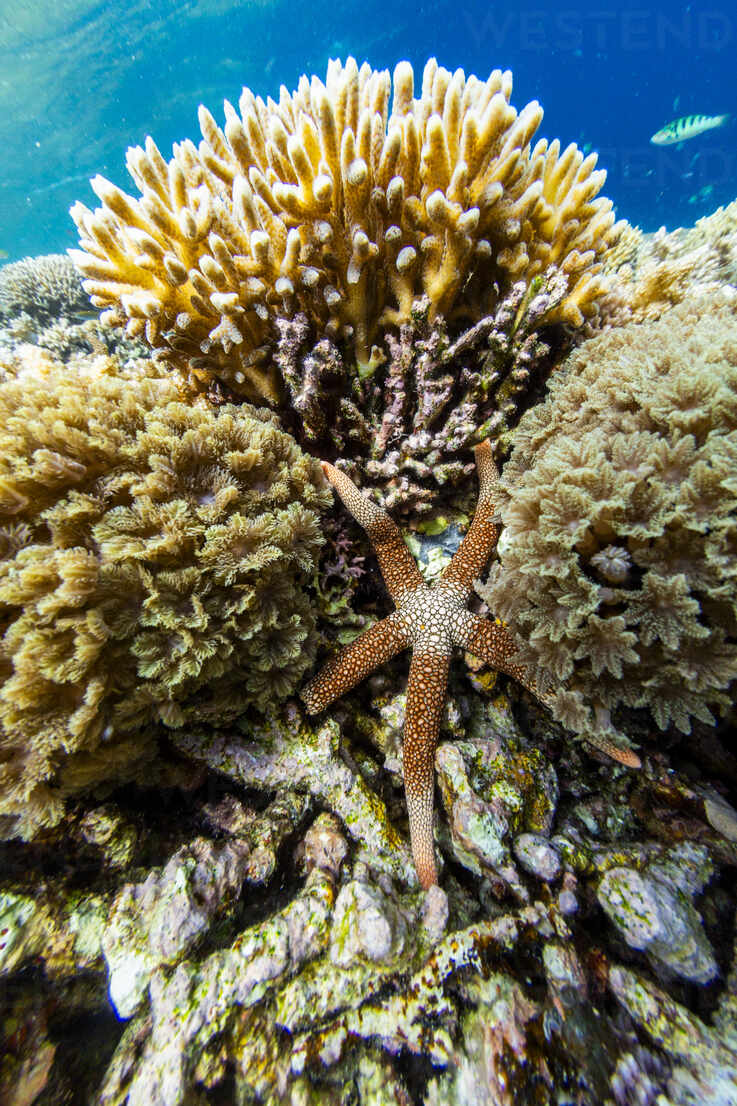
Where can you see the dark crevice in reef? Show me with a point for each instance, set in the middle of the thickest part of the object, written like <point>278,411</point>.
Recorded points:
<point>67,1020</point>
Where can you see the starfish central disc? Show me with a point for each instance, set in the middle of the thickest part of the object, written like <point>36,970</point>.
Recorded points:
<point>435,620</point>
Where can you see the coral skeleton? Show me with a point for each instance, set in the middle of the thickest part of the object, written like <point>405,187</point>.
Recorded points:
<point>432,621</point>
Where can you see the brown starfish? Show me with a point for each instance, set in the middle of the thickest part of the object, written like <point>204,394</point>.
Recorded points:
<point>432,620</point>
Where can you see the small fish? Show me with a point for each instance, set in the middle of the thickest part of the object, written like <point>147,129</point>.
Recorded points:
<point>3,254</point>
<point>703,194</point>
<point>688,126</point>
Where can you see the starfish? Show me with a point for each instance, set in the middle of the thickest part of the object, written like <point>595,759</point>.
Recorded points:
<point>432,621</point>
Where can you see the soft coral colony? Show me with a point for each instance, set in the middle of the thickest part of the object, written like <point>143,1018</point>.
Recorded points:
<point>152,555</point>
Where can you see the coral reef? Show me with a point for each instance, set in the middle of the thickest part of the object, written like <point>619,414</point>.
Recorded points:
<point>340,572</point>
<point>65,338</point>
<point>43,303</point>
<point>399,283</point>
<point>151,570</point>
<point>617,566</point>
<point>43,288</point>
<point>656,271</point>
<point>339,973</point>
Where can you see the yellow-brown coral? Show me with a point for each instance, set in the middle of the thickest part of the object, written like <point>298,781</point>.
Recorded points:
<point>152,556</point>
<point>656,271</point>
<point>330,204</point>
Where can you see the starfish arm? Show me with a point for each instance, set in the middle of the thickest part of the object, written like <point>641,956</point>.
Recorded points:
<point>625,756</point>
<point>401,574</point>
<point>426,688</point>
<point>483,533</point>
<point>352,664</point>
<point>493,643</point>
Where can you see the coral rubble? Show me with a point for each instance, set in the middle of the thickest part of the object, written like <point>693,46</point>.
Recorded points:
<point>43,303</point>
<point>278,756</point>
<point>163,917</point>
<point>152,561</point>
<point>340,973</point>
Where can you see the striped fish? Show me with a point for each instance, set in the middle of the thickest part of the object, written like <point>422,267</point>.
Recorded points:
<point>688,126</point>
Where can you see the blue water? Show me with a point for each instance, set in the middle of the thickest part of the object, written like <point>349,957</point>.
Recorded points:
<point>81,80</point>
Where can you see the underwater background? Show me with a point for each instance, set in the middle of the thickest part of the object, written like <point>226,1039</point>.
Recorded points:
<point>386,340</point>
<point>83,80</point>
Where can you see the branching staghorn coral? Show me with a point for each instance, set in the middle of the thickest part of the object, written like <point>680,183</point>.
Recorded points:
<point>403,431</point>
<point>333,205</point>
<point>152,557</point>
<point>43,288</point>
<point>618,559</point>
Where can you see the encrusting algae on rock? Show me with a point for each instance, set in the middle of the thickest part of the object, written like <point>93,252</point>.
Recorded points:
<point>342,973</point>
